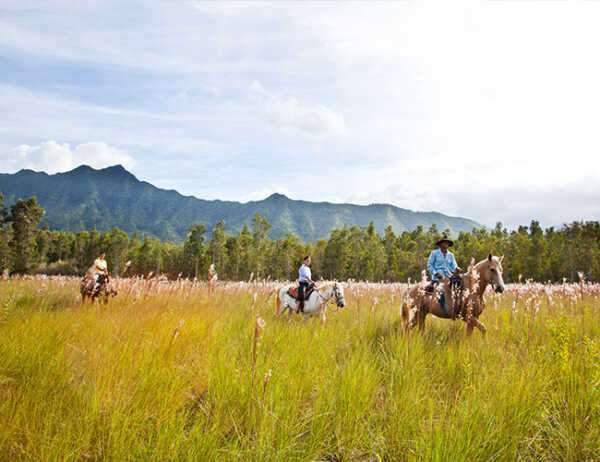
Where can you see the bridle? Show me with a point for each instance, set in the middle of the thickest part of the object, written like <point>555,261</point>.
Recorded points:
<point>336,295</point>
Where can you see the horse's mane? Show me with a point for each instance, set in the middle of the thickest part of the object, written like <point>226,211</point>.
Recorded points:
<point>326,285</point>
<point>484,261</point>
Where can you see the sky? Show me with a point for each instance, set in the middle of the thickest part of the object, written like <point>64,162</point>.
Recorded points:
<point>488,110</point>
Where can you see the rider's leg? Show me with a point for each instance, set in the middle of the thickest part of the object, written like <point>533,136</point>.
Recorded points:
<point>301,292</point>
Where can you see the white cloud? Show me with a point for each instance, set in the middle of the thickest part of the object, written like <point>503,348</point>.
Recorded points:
<point>289,113</point>
<point>52,157</point>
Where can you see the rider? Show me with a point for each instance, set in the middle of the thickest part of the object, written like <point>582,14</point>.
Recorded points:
<point>442,264</point>
<point>99,269</point>
<point>305,281</point>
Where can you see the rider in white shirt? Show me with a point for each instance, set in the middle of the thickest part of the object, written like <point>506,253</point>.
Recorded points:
<point>99,268</point>
<point>305,280</point>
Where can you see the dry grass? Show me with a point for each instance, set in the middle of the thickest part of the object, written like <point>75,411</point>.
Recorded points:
<point>165,372</point>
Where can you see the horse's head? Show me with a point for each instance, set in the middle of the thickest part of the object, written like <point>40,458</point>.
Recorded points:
<point>490,271</point>
<point>338,293</point>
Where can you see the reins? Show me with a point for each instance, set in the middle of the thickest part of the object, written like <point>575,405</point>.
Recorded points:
<point>327,301</point>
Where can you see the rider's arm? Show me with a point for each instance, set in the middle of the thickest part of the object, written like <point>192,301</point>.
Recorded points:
<point>430,264</point>
<point>452,266</point>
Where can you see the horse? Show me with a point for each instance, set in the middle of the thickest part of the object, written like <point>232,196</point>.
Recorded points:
<point>314,304</point>
<point>103,291</point>
<point>466,303</point>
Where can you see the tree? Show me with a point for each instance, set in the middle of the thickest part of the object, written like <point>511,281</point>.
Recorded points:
<point>150,256</point>
<point>260,244</point>
<point>217,248</point>
<point>350,252</point>
<point>25,216</point>
<point>116,244</point>
<point>392,254</point>
<point>194,250</point>
<point>42,246</point>
<point>5,254</point>
<point>245,253</point>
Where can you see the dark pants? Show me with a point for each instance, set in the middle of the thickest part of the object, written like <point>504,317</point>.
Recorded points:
<point>301,291</point>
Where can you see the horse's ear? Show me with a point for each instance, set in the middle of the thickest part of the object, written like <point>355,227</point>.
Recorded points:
<point>490,257</point>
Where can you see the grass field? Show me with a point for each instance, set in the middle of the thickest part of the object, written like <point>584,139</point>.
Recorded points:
<point>165,372</point>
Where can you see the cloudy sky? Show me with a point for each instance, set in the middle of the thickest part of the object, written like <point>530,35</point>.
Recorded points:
<point>489,110</point>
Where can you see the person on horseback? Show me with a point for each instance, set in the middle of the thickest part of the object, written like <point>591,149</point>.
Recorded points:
<point>304,280</point>
<point>99,270</point>
<point>442,265</point>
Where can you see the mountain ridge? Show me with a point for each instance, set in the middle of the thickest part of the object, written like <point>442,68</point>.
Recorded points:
<point>86,198</point>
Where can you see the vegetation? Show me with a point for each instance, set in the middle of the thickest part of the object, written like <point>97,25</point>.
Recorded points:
<point>349,253</point>
<point>165,372</point>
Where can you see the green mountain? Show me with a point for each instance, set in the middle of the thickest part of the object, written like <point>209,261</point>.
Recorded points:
<point>85,198</point>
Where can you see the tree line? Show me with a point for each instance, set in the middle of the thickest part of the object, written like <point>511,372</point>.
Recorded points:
<point>350,253</point>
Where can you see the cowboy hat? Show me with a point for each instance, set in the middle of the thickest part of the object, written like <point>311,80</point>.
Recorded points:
<point>444,239</point>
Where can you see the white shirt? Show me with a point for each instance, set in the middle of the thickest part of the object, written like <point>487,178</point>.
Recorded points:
<point>304,274</point>
<point>100,265</point>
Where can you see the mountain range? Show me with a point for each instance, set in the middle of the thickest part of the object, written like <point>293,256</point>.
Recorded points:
<point>86,198</point>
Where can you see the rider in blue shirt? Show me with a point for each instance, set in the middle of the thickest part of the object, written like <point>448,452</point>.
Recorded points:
<point>442,264</point>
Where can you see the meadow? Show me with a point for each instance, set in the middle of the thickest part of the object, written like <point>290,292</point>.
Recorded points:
<point>167,371</point>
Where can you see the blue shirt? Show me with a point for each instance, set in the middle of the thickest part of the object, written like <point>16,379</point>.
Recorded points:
<point>440,263</point>
<point>304,274</point>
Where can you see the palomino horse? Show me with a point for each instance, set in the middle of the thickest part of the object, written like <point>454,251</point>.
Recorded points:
<point>316,301</point>
<point>103,291</point>
<point>466,303</point>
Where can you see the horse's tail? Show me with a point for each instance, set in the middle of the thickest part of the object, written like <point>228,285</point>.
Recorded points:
<point>404,311</point>
<point>277,303</point>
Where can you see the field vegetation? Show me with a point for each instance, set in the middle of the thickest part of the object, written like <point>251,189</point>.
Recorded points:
<point>167,371</point>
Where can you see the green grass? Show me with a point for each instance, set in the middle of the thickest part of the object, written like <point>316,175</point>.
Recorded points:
<point>168,375</point>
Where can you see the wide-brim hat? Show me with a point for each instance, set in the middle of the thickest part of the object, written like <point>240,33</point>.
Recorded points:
<point>445,239</point>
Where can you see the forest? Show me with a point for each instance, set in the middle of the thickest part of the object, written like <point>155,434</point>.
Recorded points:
<point>359,253</point>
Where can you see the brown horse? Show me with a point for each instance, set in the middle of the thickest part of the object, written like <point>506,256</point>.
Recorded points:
<point>103,291</point>
<point>464,303</point>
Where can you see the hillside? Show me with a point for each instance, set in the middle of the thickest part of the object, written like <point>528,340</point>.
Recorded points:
<point>85,198</point>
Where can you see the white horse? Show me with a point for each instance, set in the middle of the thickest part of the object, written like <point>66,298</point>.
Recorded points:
<point>316,302</point>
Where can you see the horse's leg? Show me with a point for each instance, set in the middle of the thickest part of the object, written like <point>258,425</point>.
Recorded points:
<point>421,315</point>
<point>405,313</point>
<point>280,306</point>
<point>481,326</point>
<point>470,325</point>
<point>410,317</point>
<point>286,307</point>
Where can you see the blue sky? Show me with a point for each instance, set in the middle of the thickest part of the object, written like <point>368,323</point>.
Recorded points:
<point>486,110</point>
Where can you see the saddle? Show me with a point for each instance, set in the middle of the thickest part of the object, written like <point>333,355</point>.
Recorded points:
<point>456,290</point>
<point>293,292</point>
<point>456,282</point>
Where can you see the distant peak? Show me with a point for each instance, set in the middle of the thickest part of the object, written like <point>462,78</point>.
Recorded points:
<point>276,196</point>
<point>28,171</point>
<point>82,168</point>
<point>115,169</point>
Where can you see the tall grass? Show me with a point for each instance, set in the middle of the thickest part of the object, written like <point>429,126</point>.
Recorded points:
<point>165,372</point>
